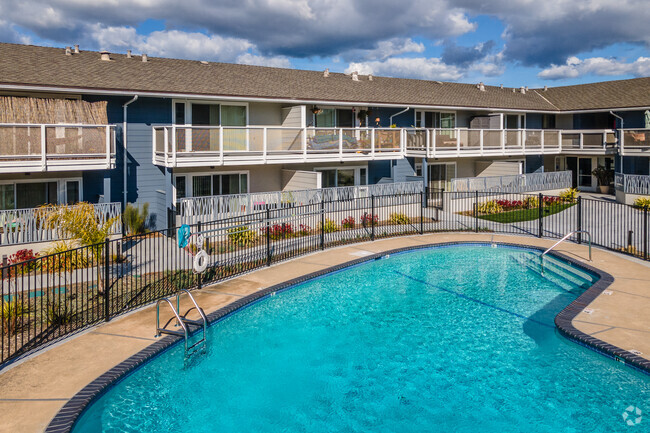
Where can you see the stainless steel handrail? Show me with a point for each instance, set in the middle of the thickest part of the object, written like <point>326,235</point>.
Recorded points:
<point>201,313</point>
<point>567,236</point>
<point>178,319</point>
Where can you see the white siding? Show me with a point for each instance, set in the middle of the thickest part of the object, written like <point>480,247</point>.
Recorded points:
<point>293,180</point>
<point>497,168</point>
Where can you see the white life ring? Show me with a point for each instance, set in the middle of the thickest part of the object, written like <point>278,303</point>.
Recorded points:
<point>200,261</point>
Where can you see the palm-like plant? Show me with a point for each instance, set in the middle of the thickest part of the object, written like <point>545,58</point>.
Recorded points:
<point>11,311</point>
<point>135,220</point>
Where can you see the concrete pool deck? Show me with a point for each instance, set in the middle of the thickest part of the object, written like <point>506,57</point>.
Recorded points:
<point>32,391</point>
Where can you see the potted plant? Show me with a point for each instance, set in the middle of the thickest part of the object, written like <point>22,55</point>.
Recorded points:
<point>604,177</point>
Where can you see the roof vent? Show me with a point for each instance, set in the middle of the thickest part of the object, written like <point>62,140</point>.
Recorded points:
<point>128,54</point>
<point>68,51</point>
<point>326,73</point>
<point>481,86</point>
<point>501,86</point>
<point>144,57</point>
<point>355,76</point>
<point>105,55</point>
<point>522,89</point>
<point>438,82</point>
<point>545,88</point>
<point>514,90</point>
<point>76,49</point>
<point>369,77</point>
<point>203,62</point>
<point>526,88</point>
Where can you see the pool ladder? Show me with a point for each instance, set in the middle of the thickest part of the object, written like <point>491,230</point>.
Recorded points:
<point>182,320</point>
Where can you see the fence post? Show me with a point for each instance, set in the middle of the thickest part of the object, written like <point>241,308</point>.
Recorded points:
<point>476,211</point>
<point>425,202</point>
<point>199,228</point>
<point>372,217</point>
<point>645,233</point>
<point>322,223</point>
<point>268,237</point>
<point>540,218</point>
<point>422,202</point>
<point>107,263</point>
<point>579,222</point>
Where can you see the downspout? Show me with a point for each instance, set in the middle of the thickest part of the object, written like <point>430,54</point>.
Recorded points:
<point>390,119</point>
<point>124,107</point>
<point>619,138</point>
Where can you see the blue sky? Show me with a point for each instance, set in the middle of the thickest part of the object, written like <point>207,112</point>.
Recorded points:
<point>510,42</point>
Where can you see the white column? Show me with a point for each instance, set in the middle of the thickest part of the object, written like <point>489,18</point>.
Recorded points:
<point>43,149</point>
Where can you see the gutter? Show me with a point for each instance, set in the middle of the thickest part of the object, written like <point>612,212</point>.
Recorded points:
<point>124,144</point>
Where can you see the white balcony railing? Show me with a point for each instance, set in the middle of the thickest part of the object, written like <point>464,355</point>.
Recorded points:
<point>20,226</point>
<point>519,183</point>
<point>56,147</point>
<point>216,207</point>
<point>187,146</point>
<point>632,183</point>
<point>635,142</point>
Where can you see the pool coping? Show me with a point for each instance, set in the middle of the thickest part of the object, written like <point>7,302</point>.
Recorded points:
<point>65,419</point>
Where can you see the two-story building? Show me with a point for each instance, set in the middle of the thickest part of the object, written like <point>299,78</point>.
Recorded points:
<point>102,127</point>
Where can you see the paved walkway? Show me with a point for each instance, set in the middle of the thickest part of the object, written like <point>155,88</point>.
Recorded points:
<point>32,392</point>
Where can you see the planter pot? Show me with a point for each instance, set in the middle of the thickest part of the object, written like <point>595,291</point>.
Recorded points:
<point>604,189</point>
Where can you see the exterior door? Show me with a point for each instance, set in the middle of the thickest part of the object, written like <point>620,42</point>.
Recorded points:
<point>572,164</point>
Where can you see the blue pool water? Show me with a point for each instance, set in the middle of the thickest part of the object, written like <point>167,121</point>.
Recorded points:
<point>454,339</point>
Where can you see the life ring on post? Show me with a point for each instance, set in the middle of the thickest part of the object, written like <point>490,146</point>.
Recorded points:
<point>200,261</point>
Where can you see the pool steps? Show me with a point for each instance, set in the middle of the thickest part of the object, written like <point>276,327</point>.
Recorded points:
<point>565,276</point>
<point>183,321</point>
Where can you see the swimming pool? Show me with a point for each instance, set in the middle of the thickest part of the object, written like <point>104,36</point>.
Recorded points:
<point>459,338</point>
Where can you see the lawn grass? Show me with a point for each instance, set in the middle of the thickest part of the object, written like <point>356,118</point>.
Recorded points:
<point>519,215</point>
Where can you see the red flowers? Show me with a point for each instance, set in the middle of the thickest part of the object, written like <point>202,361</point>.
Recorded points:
<point>277,231</point>
<point>348,222</point>
<point>367,218</point>
<point>22,256</point>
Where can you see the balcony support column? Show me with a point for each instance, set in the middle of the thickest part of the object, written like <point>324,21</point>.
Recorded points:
<point>43,149</point>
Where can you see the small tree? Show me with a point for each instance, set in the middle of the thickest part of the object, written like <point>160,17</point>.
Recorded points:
<point>135,219</point>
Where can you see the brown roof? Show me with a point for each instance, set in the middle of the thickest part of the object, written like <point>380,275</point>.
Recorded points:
<point>44,66</point>
<point>603,95</point>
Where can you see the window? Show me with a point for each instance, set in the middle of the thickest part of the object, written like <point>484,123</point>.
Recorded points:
<point>35,194</point>
<point>72,192</point>
<point>418,169</point>
<point>514,121</point>
<point>548,121</point>
<point>348,176</point>
<point>326,118</point>
<point>433,119</point>
<point>7,197</point>
<point>440,175</point>
<point>180,187</point>
<point>216,184</point>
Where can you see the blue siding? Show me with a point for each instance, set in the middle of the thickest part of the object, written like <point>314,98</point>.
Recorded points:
<point>533,121</point>
<point>403,168</point>
<point>377,170</point>
<point>404,120</point>
<point>636,165</point>
<point>633,119</point>
<point>534,163</point>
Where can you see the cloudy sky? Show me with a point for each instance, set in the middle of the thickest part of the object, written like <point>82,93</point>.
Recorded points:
<point>514,42</point>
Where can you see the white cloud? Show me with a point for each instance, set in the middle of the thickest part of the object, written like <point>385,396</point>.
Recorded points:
<point>574,68</point>
<point>8,33</point>
<point>385,49</point>
<point>406,67</point>
<point>273,61</point>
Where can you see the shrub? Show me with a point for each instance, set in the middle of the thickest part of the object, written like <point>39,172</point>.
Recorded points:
<point>11,311</point>
<point>279,231</point>
<point>642,203</point>
<point>549,201</point>
<point>23,256</point>
<point>531,202</point>
<point>304,230</point>
<point>348,223</point>
<point>510,204</point>
<point>569,195</point>
<point>367,219</point>
<point>603,175</point>
<point>60,313</point>
<point>399,218</point>
<point>64,257</point>
<point>489,207</point>
<point>329,226</point>
<point>242,236</point>
<point>135,219</point>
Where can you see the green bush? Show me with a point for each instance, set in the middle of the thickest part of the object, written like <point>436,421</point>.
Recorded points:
<point>11,311</point>
<point>60,313</point>
<point>399,218</point>
<point>242,236</point>
<point>531,202</point>
<point>642,203</point>
<point>329,226</point>
<point>569,195</point>
<point>489,207</point>
<point>135,219</point>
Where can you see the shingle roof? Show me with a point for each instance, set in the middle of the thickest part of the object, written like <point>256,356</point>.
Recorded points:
<point>44,66</point>
<point>603,95</point>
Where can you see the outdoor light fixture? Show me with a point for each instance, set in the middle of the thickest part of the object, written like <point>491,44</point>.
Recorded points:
<point>316,110</point>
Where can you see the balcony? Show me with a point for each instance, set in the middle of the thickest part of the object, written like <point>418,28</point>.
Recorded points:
<point>635,142</point>
<point>191,146</point>
<point>56,147</point>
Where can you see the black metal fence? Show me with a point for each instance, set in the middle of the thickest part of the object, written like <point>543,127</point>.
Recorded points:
<point>50,297</point>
